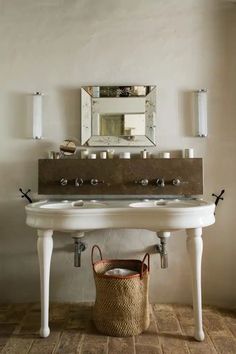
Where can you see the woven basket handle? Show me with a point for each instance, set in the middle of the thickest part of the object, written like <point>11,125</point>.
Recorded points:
<point>147,255</point>
<point>92,253</point>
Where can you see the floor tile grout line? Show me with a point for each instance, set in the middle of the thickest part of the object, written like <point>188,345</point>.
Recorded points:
<point>30,346</point>
<point>209,334</point>
<point>229,329</point>
<point>58,342</point>
<point>80,344</point>
<point>107,351</point>
<point>172,310</point>
<point>56,345</point>
<point>182,332</point>
<point>15,332</point>
<point>161,349</point>
<point>156,328</point>
<point>134,344</point>
<point>186,343</point>
<point>61,332</point>
<point>212,343</point>
<point>233,336</point>
<point>176,317</point>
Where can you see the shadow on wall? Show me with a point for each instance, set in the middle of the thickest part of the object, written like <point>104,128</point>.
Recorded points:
<point>18,106</point>
<point>15,175</point>
<point>186,112</point>
<point>69,105</point>
<point>14,232</point>
<point>18,260</point>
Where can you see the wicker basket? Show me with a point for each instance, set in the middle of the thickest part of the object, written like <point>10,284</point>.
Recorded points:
<point>121,307</point>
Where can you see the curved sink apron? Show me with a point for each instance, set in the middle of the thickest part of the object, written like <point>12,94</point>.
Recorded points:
<point>161,216</point>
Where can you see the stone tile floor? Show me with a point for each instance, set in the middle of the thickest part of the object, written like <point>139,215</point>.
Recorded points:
<point>72,331</point>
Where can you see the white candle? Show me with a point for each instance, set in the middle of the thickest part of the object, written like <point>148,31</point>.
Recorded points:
<point>103,155</point>
<point>189,153</point>
<point>84,154</point>
<point>110,153</point>
<point>165,155</point>
<point>92,156</point>
<point>124,155</point>
<point>144,154</point>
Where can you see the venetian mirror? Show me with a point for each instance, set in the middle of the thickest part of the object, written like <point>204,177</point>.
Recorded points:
<point>118,115</point>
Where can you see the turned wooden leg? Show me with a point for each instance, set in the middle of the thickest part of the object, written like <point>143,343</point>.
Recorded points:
<point>194,248</point>
<point>45,246</point>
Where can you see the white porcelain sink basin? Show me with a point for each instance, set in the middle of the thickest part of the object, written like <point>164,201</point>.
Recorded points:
<point>59,205</point>
<point>171,203</point>
<point>66,204</point>
<point>147,204</point>
<point>155,215</point>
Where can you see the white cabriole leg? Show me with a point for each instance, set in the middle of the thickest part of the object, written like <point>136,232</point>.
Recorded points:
<point>194,247</point>
<point>45,246</point>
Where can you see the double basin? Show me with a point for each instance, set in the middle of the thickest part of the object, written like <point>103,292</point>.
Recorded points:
<point>155,215</point>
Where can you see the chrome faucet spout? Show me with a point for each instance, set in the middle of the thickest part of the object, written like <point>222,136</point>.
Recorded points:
<point>160,182</point>
<point>162,248</point>
<point>164,254</point>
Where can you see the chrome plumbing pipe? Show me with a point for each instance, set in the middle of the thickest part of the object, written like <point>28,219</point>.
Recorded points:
<point>79,247</point>
<point>162,248</point>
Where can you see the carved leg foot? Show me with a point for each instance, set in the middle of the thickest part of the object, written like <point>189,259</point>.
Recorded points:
<point>194,248</point>
<point>45,246</point>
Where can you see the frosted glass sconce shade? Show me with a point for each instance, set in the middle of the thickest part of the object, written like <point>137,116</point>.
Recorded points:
<point>201,112</point>
<point>37,115</point>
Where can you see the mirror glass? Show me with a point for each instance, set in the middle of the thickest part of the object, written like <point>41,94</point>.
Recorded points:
<point>118,115</point>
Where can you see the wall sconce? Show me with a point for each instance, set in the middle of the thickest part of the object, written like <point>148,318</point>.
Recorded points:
<point>201,112</point>
<point>37,115</point>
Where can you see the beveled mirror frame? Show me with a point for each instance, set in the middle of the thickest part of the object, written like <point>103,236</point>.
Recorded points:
<point>91,96</point>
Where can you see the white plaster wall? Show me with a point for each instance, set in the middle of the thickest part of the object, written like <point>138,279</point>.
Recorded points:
<point>57,46</point>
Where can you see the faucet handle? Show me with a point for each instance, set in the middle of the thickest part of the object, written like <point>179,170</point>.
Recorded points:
<point>78,182</point>
<point>63,181</point>
<point>176,182</point>
<point>144,182</point>
<point>160,182</point>
<point>95,182</point>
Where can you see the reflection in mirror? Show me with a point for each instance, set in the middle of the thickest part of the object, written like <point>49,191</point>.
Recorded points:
<point>118,115</point>
<point>122,124</point>
<point>111,124</point>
